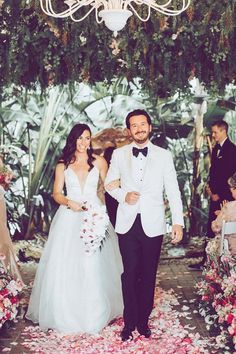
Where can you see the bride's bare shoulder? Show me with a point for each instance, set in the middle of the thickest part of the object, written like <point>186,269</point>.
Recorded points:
<point>60,167</point>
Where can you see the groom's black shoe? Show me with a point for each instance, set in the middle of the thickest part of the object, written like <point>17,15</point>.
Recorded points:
<point>126,333</point>
<point>144,331</point>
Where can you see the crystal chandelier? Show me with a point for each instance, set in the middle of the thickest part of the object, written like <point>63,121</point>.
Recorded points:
<point>114,13</point>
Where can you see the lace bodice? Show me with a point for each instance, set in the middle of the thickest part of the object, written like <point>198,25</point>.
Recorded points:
<point>88,192</point>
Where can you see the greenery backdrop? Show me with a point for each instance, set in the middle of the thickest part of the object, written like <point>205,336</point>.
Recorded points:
<point>163,52</point>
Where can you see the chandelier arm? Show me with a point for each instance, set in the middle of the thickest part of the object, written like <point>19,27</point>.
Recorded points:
<point>48,10</point>
<point>165,11</point>
<point>161,8</point>
<point>104,3</point>
<point>82,18</point>
<point>125,4</point>
<point>167,3</point>
<point>137,14</point>
<point>97,15</point>
<point>185,4</point>
<point>115,4</point>
<point>140,2</point>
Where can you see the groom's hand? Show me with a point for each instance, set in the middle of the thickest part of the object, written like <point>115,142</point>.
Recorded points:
<point>132,197</point>
<point>177,233</point>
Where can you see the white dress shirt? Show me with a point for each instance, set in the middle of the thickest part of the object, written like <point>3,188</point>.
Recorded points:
<point>138,166</point>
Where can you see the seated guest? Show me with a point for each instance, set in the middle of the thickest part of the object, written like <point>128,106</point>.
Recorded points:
<point>227,213</point>
<point>7,258</point>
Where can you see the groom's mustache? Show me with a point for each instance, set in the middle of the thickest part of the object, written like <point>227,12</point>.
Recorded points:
<point>140,132</point>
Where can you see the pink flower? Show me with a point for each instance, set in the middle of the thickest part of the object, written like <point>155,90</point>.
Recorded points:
<point>8,316</point>
<point>212,290</point>
<point>4,292</point>
<point>205,297</point>
<point>6,176</point>
<point>187,340</point>
<point>9,300</point>
<point>14,300</point>
<point>229,318</point>
<point>231,330</point>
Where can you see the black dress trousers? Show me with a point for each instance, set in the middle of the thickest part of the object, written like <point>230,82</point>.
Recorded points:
<point>140,255</point>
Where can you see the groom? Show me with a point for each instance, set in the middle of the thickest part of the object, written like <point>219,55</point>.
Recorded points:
<point>144,171</point>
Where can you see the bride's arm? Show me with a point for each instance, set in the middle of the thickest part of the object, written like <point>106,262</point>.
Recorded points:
<point>103,168</point>
<point>113,185</point>
<point>58,196</point>
<point>101,164</point>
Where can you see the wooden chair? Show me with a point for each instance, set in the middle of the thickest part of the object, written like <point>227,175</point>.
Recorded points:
<point>228,228</point>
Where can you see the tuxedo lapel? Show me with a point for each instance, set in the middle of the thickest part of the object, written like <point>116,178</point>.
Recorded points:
<point>130,164</point>
<point>149,164</point>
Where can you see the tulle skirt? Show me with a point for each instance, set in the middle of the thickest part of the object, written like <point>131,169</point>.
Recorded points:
<point>75,292</point>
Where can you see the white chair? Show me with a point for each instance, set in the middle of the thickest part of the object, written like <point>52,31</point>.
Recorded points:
<point>228,228</point>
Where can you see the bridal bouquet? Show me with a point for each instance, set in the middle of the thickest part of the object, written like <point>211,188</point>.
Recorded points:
<point>6,176</point>
<point>94,226</point>
<point>9,295</point>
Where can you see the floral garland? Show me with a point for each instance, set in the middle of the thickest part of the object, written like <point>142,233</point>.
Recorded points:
<point>9,294</point>
<point>217,293</point>
<point>94,226</point>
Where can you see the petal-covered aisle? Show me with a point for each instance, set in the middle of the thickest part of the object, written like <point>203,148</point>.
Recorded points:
<point>176,325</point>
<point>168,335</point>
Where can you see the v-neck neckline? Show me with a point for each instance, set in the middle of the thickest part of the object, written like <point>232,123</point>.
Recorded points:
<point>82,187</point>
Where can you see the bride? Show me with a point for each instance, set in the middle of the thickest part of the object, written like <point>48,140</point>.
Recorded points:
<point>77,291</point>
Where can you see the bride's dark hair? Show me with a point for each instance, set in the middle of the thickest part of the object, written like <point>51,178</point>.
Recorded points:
<point>68,153</point>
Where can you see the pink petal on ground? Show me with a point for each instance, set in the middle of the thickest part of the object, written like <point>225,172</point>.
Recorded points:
<point>168,335</point>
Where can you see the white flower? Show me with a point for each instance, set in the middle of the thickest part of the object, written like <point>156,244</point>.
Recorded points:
<point>6,302</point>
<point>94,226</point>
<point>13,287</point>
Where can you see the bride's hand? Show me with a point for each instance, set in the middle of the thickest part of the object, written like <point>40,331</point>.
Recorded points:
<point>75,206</point>
<point>223,204</point>
<point>113,185</point>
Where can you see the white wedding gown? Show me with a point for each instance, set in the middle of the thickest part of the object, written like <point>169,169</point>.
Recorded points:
<point>75,292</point>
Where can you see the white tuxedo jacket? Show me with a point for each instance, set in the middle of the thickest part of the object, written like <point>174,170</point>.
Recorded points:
<point>159,176</point>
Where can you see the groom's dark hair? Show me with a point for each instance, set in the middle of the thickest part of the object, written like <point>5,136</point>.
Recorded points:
<point>137,112</point>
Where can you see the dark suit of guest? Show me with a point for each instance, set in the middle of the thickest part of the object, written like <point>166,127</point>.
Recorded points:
<point>223,166</point>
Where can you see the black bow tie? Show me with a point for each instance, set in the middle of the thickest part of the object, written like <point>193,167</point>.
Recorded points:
<point>143,151</point>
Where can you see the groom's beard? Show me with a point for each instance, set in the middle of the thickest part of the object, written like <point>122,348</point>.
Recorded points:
<point>143,140</point>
